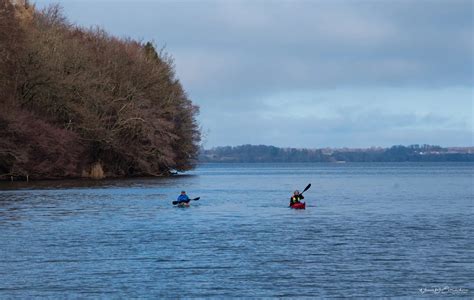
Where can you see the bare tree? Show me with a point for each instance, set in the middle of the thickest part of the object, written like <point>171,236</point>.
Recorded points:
<point>115,104</point>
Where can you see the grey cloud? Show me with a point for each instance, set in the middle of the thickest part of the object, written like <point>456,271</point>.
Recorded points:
<point>261,46</point>
<point>352,126</point>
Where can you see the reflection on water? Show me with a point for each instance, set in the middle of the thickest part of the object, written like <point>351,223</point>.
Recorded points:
<point>369,230</point>
<point>87,183</point>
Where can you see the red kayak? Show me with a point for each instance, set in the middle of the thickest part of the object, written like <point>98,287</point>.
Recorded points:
<point>300,205</point>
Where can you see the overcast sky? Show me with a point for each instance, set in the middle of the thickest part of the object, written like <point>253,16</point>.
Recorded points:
<point>311,73</point>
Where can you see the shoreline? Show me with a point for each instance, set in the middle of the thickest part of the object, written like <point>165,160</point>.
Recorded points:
<point>69,182</point>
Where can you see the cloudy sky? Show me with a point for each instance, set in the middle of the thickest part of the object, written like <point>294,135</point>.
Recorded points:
<point>311,73</point>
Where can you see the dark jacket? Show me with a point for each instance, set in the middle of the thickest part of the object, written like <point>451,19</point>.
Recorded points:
<point>296,199</point>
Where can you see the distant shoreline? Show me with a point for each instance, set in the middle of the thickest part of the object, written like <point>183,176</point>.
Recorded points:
<point>272,154</point>
<point>322,163</point>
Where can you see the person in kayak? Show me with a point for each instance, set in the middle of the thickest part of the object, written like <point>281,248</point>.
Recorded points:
<point>183,197</point>
<point>296,198</point>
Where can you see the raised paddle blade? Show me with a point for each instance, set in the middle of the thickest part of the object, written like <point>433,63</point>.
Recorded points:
<point>195,199</point>
<point>306,188</point>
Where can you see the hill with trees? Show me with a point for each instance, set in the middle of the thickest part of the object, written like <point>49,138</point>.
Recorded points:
<point>262,153</point>
<point>79,102</point>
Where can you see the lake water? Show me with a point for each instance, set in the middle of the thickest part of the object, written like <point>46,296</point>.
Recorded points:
<point>368,230</point>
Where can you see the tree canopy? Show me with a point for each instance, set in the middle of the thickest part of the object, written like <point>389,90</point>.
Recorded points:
<point>76,100</point>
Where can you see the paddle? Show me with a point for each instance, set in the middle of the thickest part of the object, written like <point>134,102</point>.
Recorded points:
<point>305,189</point>
<point>187,201</point>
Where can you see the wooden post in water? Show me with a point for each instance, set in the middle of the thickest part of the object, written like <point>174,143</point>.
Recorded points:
<point>27,179</point>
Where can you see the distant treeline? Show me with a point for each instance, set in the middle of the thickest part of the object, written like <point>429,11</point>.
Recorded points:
<point>261,153</point>
<point>78,102</point>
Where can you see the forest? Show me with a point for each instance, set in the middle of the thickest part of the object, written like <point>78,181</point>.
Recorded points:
<point>263,153</point>
<point>77,102</point>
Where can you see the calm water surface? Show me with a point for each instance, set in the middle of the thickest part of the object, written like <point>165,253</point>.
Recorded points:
<point>368,230</point>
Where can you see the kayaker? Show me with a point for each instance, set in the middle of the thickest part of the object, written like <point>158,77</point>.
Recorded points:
<point>296,197</point>
<point>183,197</point>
